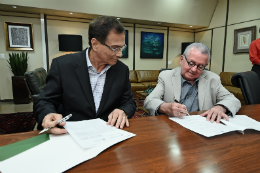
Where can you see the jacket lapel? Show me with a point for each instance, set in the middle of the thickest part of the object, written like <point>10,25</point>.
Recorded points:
<point>203,82</point>
<point>176,78</point>
<point>110,76</point>
<point>83,77</point>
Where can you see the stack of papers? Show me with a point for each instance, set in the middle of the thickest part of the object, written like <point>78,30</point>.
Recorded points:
<point>92,133</point>
<point>203,127</point>
<point>62,152</point>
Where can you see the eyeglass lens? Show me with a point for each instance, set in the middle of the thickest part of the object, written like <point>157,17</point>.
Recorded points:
<point>192,64</point>
<point>116,49</point>
<point>119,48</point>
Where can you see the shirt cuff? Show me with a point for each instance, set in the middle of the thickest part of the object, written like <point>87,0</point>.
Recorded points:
<point>256,61</point>
<point>228,112</point>
<point>156,110</point>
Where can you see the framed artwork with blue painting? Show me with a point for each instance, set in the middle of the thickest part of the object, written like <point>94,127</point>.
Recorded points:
<point>152,45</point>
<point>125,52</point>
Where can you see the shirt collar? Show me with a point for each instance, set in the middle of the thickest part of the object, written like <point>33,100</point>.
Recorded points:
<point>90,66</point>
<point>184,80</point>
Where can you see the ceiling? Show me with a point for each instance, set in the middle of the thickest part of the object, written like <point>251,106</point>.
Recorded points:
<point>52,12</point>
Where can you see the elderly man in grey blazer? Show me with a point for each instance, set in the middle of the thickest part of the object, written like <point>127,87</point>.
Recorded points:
<point>192,88</point>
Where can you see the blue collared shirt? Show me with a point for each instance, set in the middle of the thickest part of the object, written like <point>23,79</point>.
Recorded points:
<point>189,95</point>
<point>97,81</point>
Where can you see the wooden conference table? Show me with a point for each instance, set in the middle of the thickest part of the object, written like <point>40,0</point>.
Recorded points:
<point>162,145</point>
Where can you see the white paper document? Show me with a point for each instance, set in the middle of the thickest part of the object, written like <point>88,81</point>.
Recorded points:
<point>91,133</point>
<point>58,154</point>
<point>242,122</point>
<point>199,124</point>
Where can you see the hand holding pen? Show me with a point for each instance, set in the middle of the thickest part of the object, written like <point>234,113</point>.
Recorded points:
<point>51,120</point>
<point>175,109</point>
<point>187,113</point>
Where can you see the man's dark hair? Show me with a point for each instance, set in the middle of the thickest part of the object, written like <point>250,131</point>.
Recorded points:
<point>101,26</point>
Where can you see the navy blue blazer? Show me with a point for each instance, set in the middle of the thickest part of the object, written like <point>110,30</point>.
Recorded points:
<point>68,84</point>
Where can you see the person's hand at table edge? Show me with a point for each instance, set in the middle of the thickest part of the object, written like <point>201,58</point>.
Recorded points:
<point>118,118</point>
<point>215,113</point>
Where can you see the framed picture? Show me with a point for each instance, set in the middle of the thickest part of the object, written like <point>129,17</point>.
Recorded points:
<point>152,45</point>
<point>18,36</point>
<point>125,52</point>
<point>243,38</point>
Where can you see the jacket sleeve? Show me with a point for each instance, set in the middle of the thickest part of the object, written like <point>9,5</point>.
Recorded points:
<point>50,97</point>
<point>154,99</point>
<point>227,99</point>
<point>253,53</point>
<point>127,103</point>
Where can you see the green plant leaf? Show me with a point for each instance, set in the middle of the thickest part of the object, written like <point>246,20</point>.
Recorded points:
<point>150,89</point>
<point>18,63</point>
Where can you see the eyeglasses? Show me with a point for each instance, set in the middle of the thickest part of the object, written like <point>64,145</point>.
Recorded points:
<point>192,64</point>
<point>116,50</point>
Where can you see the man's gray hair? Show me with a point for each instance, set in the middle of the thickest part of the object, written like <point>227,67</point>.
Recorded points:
<point>199,46</point>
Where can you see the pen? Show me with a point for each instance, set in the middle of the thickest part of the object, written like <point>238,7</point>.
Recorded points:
<point>60,121</point>
<point>179,102</point>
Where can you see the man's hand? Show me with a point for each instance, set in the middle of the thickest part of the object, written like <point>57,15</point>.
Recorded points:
<point>51,120</point>
<point>215,112</point>
<point>175,109</point>
<point>118,118</point>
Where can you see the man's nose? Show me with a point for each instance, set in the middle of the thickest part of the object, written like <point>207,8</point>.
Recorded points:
<point>119,53</point>
<point>194,68</point>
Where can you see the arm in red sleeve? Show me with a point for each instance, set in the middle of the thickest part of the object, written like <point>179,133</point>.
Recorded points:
<point>254,53</point>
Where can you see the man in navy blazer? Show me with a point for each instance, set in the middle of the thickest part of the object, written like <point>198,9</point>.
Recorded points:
<point>89,84</point>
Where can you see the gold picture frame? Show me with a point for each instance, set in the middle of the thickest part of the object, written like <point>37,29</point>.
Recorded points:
<point>243,38</point>
<point>18,36</point>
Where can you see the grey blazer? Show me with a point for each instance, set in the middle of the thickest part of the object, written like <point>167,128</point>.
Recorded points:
<point>210,92</point>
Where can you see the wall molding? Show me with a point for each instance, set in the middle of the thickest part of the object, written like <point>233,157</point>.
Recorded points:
<point>227,25</point>
<point>134,49</point>
<point>211,49</point>
<point>44,56</point>
<point>182,31</point>
<point>14,12</point>
<point>167,47</point>
<point>46,42</point>
<point>225,37</point>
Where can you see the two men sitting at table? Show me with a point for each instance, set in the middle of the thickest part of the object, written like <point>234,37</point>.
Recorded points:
<point>193,87</point>
<point>95,84</point>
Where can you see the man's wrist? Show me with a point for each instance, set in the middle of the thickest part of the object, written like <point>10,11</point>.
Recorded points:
<point>227,112</point>
<point>124,112</point>
<point>48,114</point>
<point>157,112</point>
<point>161,108</point>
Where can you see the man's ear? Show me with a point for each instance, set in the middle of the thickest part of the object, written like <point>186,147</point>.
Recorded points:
<point>181,59</point>
<point>94,44</point>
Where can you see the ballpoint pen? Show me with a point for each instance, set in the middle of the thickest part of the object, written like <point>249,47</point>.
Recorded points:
<point>60,121</point>
<point>179,102</point>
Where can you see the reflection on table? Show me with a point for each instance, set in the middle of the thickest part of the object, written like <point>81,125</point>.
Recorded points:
<point>162,145</point>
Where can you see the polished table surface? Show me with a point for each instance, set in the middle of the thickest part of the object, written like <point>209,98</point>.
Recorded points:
<point>162,145</point>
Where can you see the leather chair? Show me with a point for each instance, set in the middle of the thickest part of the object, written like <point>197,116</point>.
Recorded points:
<point>162,69</point>
<point>249,84</point>
<point>36,81</point>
